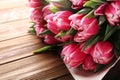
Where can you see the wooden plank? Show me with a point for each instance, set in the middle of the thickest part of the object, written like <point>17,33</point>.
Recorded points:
<point>65,77</point>
<point>8,4</point>
<point>14,29</point>
<point>14,14</point>
<point>47,66</point>
<point>17,48</point>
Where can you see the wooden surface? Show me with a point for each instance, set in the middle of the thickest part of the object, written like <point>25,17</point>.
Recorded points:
<point>16,45</point>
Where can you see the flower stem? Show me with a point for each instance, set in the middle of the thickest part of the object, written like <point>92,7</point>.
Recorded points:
<point>43,49</point>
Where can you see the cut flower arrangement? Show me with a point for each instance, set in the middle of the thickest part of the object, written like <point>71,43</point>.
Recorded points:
<point>85,32</point>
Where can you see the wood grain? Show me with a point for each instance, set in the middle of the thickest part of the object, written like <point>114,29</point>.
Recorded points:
<point>18,48</point>
<point>47,66</point>
<point>17,60</point>
<point>9,4</point>
<point>14,14</point>
<point>14,29</point>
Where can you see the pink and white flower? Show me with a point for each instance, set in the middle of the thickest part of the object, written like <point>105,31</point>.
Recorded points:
<point>58,21</point>
<point>73,56</point>
<point>86,27</point>
<point>89,64</point>
<point>76,4</point>
<point>49,39</point>
<point>102,52</point>
<point>36,16</point>
<point>34,3</point>
<point>111,10</point>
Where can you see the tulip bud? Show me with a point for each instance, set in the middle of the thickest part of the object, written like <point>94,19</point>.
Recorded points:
<point>102,52</point>
<point>89,64</point>
<point>65,3</point>
<point>36,16</point>
<point>35,3</point>
<point>73,56</point>
<point>76,4</point>
<point>49,39</point>
<point>39,29</point>
<point>87,27</point>
<point>112,12</point>
<point>51,8</point>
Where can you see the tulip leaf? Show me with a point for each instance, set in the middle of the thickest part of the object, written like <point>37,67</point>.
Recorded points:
<point>91,41</point>
<point>61,33</point>
<point>71,31</point>
<point>43,49</point>
<point>64,3</point>
<point>116,42</point>
<point>91,4</point>
<point>98,1</point>
<point>84,11</point>
<point>90,14</point>
<point>32,29</point>
<point>54,9</point>
<point>109,32</point>
<point>117,52</point>
<point>101,20</point>
<point>108,29</point>
<point>45,32</point>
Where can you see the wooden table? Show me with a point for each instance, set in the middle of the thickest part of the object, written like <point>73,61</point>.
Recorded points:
<point>16,45</point>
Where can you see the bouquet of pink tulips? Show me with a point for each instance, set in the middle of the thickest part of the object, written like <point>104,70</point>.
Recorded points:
<point>87,32</point>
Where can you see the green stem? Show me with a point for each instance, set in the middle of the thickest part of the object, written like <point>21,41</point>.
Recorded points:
<point>43,49</point>
<point>61,33</point>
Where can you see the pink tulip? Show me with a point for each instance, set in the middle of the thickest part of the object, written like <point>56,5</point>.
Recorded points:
<point>62,21</point>
<point>76,4</point>
<point>75,21</point>
<point>102,52</point>
<point>81,36</point>
<point>49,18</point>
<point>34,3</point>
<point>87,49</point>
<point>89,64</point>
<point>39,29</point>
<point>49,39</point>
<point>111,10</point>
<point>58,21</point>
<point>72,55</point>
<point>53,27</point>
<point>86,27</point>
<point>36,16</point>
<point>51,6</point>
<point>100,9</point>
<point>64,38</point>
<point>68,49</point>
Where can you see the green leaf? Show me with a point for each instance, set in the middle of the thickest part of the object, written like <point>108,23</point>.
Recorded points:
<point>71,31</point>
<point>91,4</point>
<point>32,29</point>
<point>108,29</point>
<point>45,32</point>
<point>61,33</point>
<point>65,3</point>
<point>98,1</point>
<point>91,41</point>
<point>117,52</point>
<point>109,32</point>
<point>84,11</point>
<point>43,49</point>
<point>101,20</point>
<point>90,14</point>
<point>54,9</point>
